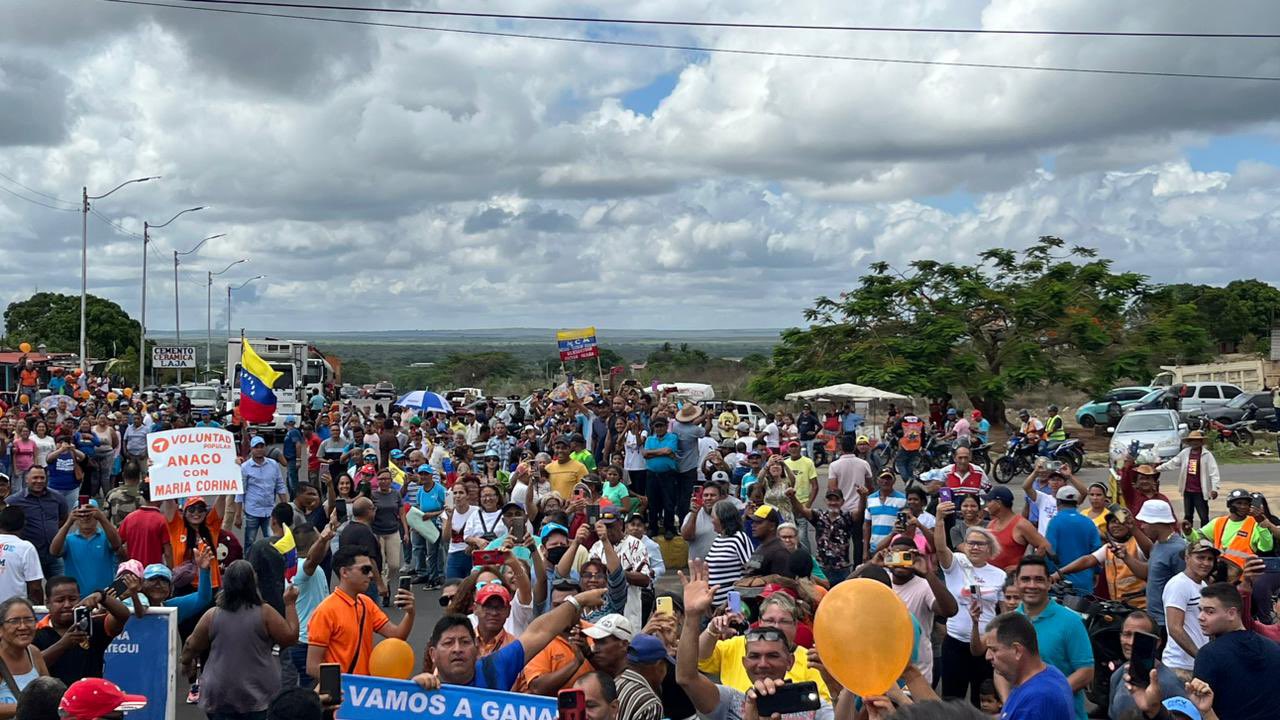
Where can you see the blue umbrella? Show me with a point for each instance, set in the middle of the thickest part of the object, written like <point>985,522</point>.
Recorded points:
<point>425,401</point>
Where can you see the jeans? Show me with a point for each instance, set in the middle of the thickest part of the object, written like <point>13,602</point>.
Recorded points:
<point>457,566</point>
<point>803,528</point>
<point>373,593</point>
<point>662,503</point>
<point>288,668</point>
<point>51,566</point>
<point>252,525</point>
<point>298,656</point>
<point>905,462</point>
<point>292,476</point>
<point>807,447</point>
<point>1193,503</point>
<point>72,496</point>
<point>426,557</point>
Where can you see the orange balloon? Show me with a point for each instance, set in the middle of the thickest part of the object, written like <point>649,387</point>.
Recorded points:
<point>111,397</point>
<point>392,658</point>
<point>79,372</point>
<point>853,611</point>
<point>24,347</point>
<point>23,399</point>
<point>128,392</point>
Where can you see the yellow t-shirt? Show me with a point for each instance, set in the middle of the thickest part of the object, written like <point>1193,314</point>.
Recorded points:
<point>805,473</point>
<point>728,424</point>
<point>565,475</point>
<point>726,661</point>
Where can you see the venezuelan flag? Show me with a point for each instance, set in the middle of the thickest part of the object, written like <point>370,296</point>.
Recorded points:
<point>397,476</point>
<point>257,402</point>
<point>289,549</point>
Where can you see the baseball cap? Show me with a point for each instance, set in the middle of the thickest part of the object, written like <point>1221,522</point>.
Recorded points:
<point>646,648</point>
<point>548,528</point>
<point>864,439</point>
<point>415,420</point>
<point>130,566</point>
<point>194,500</point>
<point>290,420</point>
<point>1182,705</point>
<point>1202,545</point>
<point>1155,511</point>
<point>1068,493</point>
<point>767,512</point>
<point>397,453</point>
<point>835,493</point>
<point>425,469</point>
<point>1003,495</point>
<point>513,506</point>
<point>256,441</point>
<point>157,570</point>
<point>792,444</point>
<point>91,698</point>
<point>720,476</point>
<point>753,453</point>
<point>614,625</point>
<point>492,590</point>
<point>609,513</point>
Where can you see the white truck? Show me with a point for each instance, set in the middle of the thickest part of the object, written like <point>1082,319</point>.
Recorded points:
<point>289,358</point>
<point>1250,373</point>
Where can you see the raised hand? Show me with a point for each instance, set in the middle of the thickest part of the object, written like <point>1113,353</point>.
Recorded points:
<point>698,592</point>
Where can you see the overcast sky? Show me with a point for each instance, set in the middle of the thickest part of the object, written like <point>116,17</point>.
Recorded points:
<point>393,179</point>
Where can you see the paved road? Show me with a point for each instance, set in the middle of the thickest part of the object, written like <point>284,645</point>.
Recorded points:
<point>1262,477</point>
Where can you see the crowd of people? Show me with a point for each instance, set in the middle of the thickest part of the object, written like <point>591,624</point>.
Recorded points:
<point>545,529</point>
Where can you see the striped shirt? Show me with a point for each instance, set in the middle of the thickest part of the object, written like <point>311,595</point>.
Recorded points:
<point>883,512</point>
<point>636,700</point>
<point>726,561</point>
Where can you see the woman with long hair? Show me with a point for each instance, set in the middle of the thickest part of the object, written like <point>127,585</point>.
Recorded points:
<point>458,561</point>
<point>486,525</point>
<point>241,674</point>
<point>44,443</point>
<point>977,585</point>
<point>772,487</point>
<point>19,655</point>
<point>615,436</point>
<point>971,515</point>
<point>731,550</point>
<point>197,524</point>
<point>633,456</point>
<point>24,455</point>
<point>108,449</point>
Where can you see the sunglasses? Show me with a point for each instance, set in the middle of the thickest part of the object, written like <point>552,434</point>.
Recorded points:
<point>767,634</point>
<point>366,569</point>
<point>482,583</point>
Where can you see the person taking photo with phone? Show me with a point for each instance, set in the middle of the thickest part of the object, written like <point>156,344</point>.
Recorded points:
<point>1142,627</point>
<point>91,553</point>
<point>74,636</point>
<point>342,626</point>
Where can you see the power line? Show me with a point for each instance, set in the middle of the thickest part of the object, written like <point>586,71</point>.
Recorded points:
<point>740,25</point>
<point>37,192</point>
<point>37,202</point>
<point>116,226</point>
<point>723,51</point>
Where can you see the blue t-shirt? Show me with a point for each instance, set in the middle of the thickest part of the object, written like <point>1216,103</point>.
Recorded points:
<point>62,473</point>
<point>431,500</point>
<point>312,590</point>
<point>1045,696</point>
<point>86,442</point>
<point>499,670</point>
<point>1064,644</point>
<point>981,429</point>
<point>662,463</point>
<point>1073,536</point>
<point>90,560</point>
<point>291,439</point>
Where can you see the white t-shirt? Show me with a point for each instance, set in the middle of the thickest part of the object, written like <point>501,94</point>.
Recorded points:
<point>960,576</point>
<point>850,472</point>
<point>633,446</point>
<point>634,557</point>
<point>19,564</point>
<point>1048,506</point>
<point>1183,593</point>
<point>706,444</point>
<point>927,520</point>
<point>480,523</point>
<point>772,436</point>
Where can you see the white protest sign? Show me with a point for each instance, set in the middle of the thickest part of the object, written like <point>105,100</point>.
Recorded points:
<point>193,461</point>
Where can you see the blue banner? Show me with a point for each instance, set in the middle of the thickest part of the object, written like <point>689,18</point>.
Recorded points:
<point>374,698</point>
<point>142,660</point>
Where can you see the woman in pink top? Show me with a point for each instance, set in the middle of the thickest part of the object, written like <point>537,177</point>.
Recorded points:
<point>24,456</point>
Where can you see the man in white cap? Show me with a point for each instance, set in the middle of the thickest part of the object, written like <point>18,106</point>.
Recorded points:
<point>263,487</point>
<point>612,635</point>
<point>1165,551</point>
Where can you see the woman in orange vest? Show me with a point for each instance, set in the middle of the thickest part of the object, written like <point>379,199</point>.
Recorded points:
<point>197,525</point>
<point>1244,531</point>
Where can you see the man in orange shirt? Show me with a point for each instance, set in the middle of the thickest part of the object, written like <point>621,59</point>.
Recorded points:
<point>564,659</point>
<point>341,628</point>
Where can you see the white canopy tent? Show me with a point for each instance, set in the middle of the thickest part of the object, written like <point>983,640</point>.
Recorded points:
<point>863,397</point>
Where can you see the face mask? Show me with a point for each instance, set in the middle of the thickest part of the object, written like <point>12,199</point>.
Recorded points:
<point>555,554</point>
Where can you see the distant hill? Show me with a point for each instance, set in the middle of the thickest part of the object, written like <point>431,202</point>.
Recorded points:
<point>504,336</point>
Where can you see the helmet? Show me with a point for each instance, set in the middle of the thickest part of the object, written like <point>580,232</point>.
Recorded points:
<point>1024,413</point>
<point>976,414</point>
<point>1238,494</point>
<point>1053,409</point>
<point>951,411</point>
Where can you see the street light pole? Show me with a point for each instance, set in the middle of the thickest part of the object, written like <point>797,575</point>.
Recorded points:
<point>85,197</point>
<point>142,337</point>
<point>208,314</point>
<point>177,321</point>
<point>237,287</point>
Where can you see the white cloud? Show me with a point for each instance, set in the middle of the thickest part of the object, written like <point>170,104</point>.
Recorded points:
<point>390,178</point>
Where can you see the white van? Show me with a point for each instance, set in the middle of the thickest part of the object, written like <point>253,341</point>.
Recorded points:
<point>1205,395</point>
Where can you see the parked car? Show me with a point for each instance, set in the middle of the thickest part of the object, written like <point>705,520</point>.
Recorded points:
<point>1205,396</point>
<point>1095,412</point>
<point>348,391</point>
<point>1160,431</point>
<point>205,397</point>
<point>1233,411</point>
<point>383,391</point>
<point>748,412</point>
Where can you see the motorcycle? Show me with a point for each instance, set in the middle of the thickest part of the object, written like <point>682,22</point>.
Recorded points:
<point>1103,620</point>
<point>935,454</point>
<point>980,455</point>
<point>1018,460</point>
<point>1238,433</point>
<point>1069,451</point>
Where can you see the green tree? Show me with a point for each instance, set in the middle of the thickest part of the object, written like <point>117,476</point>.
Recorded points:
<point>357,372</point>
<point>54,320</point>
<point>1004,323</point>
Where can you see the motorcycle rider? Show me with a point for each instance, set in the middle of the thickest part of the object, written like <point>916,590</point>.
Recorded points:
<point>1243,532</point>
<point>1197,472</point>
<point>981,426</point>
<point>1054,429</point>
<point>909,446</point>
<point>1032,429</point>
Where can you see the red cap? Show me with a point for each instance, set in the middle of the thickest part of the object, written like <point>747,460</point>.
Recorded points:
<point>772,588</point>
<point>91,698</point>
<point>492,590</point>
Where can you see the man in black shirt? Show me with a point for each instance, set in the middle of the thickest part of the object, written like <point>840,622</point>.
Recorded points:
<point>1237,664</point>
<point>359,534</point>
<point>771,556</point>
<point>73,652</point>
